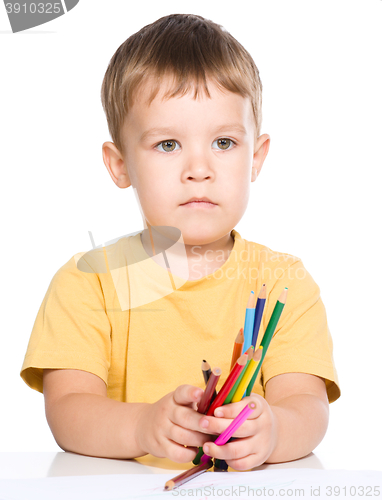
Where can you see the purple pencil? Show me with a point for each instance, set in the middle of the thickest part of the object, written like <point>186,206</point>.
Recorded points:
<point>231,429</point>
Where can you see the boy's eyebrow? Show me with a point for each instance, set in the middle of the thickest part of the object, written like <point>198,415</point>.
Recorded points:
<point>237,127</point>
<point>168,131</point>
<point>155,131</point>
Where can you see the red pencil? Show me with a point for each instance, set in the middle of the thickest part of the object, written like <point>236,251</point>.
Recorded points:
<point>228,384</point>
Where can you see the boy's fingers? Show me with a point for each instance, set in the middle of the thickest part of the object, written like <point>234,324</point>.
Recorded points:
<point>180,454</point>
<point>229,451</point>
<point>232,410</point>
<point>183,436</point>
<point>186,394</point>
<point>215,426</point>
<point>212,425</point>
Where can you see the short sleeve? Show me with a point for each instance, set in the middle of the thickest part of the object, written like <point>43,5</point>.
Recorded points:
<point>302,342</point>
<point>71,330</point>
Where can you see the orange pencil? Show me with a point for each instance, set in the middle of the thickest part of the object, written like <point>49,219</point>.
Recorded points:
<point>237,348</point>
<point>228,384</point>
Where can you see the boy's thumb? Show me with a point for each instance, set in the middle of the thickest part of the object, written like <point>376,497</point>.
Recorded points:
<point>186,394</point>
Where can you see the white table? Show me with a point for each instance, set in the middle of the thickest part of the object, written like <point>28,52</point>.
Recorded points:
<point>61,475</point>
<point>17,465</point>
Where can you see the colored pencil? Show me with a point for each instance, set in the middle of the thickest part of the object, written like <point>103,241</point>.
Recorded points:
<point>232,428</point>
<point>231,393</point>
<point>237,348</point>
<point>188,475</point>
<point>206,370</point>
<point>268,334</point>
<point>246,378</point>
<point>249,320</point>
<point>205,401</point>
<point>199,455</point>
<point>227,386</point>
<point>220,465</point>
<point>259,313</point>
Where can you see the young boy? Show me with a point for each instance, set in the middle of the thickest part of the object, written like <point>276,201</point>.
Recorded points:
<point>121,375</point>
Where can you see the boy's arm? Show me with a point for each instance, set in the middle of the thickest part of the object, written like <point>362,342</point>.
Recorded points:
<point>84,420</point>
<point>300,404</point>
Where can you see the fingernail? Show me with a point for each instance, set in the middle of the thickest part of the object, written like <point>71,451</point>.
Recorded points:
<point>219,413</point>
<point>204,423</point>
<point>197,394</point>
<point>206,448</point>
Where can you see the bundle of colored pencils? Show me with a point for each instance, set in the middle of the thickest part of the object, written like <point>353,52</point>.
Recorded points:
<point>245,366</point>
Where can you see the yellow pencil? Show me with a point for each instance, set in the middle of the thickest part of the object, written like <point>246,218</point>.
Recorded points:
<point>241,388</point>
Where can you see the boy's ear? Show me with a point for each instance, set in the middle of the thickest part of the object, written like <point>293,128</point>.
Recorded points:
<point>115,165</point>
<point>260,153</point>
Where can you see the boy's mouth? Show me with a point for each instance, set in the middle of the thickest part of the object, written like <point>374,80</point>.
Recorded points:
<point>199,202</point>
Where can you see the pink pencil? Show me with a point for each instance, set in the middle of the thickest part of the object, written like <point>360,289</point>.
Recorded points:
<point>233,426</point>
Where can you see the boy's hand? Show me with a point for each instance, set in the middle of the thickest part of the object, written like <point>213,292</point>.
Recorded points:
<point>170,427</point>
<point>258,434</point>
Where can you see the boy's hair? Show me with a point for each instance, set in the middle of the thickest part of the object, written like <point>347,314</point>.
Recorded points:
<point>187,48</point>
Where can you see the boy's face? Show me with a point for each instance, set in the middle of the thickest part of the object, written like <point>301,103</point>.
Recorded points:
<point>180,148</point>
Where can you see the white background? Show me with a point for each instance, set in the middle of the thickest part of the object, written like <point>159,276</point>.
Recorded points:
<point>319,191</point>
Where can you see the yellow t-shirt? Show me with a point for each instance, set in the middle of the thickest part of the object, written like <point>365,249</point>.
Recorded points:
<point>145,352</point>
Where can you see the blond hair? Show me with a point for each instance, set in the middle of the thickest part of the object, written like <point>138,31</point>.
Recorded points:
<point>186,47</point>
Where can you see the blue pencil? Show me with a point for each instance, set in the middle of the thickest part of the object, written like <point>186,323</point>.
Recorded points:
<point>259,313</point>
<point>249,321</point>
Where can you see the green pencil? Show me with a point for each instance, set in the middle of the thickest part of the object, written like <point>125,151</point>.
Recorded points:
<point>270,330</point>
<point>231,393</point>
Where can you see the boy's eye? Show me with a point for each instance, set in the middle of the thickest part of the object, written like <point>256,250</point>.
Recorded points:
<point>167,146</point>
<point>224,143</point>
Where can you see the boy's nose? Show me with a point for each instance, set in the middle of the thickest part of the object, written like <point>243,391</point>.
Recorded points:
<point>198,168</point>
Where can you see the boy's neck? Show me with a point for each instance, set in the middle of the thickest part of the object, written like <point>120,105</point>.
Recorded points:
<point>202,260</point>
<point>205,259</point>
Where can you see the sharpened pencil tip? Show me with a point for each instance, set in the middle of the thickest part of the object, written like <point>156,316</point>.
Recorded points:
<point>251,300</point>
<point>283,296</point>
<point>169,485</point>
<point>263,292</point>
